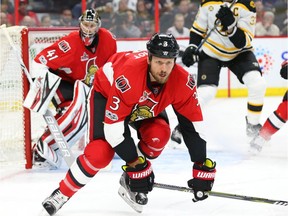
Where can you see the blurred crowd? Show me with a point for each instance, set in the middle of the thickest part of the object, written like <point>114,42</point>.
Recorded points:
<point>135,18</point>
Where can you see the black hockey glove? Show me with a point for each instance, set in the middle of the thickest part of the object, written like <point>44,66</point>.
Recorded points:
<point>284,69</point>
<point>190,55</point>
<point>203,179</point>
<point>140,178</point>
<point>226,17</point>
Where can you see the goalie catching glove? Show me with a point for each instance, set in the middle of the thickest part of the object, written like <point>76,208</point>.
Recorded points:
<point>203,179</point>
<point>140,177</point>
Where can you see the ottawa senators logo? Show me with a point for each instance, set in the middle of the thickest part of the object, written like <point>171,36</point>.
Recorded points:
<point>143,110</point>
<point>122,84</point>
<point>191,82</point>
<point>91,69</point>
<point>141,113</point>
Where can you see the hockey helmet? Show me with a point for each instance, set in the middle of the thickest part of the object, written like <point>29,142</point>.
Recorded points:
<point>163,46</point>
<point>90,23</point>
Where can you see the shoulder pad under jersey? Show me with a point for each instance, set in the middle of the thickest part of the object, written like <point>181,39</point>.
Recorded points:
<point>249,4</point>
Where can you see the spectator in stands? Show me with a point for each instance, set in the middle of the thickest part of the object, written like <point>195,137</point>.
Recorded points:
<point>281,16</point>
<point>259,10</point>
<point>46,21</point>
<point>4,19</point>
<point>124,26</point>
<point>106,13</point>
<point>284,30</point>
<point>24,11</point>
<point>66,18</point>
<point>149,29</point>
<point>77,9</point>
<point>97,3</point>
<point>143,18</point>
<point>267,26</point>
<point>166,18</point>
<point>178,30</point>
<point>28,21</point>
<point>124,5</point>
<point>184,7</point>
<point>6,16</point>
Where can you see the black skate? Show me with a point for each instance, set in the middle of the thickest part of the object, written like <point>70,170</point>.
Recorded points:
<point>54,202</point>
<point>134,199</point>
<point>176,135</point>
<point>252,130</point>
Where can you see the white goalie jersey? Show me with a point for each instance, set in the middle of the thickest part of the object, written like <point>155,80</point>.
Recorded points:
<point>218,45</point>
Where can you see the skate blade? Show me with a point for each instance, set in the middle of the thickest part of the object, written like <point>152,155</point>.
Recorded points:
<point>124,195</point>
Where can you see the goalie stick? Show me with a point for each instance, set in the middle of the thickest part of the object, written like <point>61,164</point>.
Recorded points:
<point>224,195</point>
<point>48,116</point>
<point>209,33</point>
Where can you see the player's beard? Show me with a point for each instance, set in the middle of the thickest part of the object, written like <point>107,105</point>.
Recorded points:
<point>161,77</point>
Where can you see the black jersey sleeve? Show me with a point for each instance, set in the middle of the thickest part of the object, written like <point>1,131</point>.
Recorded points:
<point>195,144</point>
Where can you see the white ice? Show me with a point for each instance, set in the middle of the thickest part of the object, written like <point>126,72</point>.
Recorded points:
<point>238,172</point>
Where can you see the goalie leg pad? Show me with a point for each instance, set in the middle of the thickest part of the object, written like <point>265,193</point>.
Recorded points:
<point>44,156</point>
<point>73,123</point>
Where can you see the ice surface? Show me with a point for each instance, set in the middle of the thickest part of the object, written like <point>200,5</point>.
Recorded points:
<point>264,176</point>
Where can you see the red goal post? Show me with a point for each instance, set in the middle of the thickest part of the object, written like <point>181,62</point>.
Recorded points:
<point>20,128</point>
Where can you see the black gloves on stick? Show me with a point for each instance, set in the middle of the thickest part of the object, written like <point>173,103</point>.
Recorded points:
<point>203,179</point>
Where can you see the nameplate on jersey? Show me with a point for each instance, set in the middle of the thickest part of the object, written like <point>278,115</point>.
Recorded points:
<point>41,92</point>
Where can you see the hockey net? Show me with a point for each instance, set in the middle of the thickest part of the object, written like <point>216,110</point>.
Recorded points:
<point>19,128</point>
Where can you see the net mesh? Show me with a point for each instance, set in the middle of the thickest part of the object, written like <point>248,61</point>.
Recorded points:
<point>12,131</point>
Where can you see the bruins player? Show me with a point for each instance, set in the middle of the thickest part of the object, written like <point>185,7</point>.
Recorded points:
<point>229,45</point>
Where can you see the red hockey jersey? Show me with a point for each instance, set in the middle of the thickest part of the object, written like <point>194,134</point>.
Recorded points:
<point>71,60</point>
<point>124,81</point>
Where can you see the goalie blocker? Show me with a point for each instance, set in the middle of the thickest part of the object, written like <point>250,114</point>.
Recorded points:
<point>41,92</point>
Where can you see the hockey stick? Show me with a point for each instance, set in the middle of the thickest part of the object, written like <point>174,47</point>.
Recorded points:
<point>214,27</point>
<point>224,195</point>
<point>48,116</point>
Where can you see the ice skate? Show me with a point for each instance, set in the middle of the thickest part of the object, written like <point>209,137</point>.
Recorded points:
<point>252,130</point>
<point>54,202</point>
<point>134,199</point>
<point>257,144</point>
<point>176,135</point>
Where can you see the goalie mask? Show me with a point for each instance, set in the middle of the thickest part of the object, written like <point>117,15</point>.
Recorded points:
<point>163,46</point>
<point>90,23</point>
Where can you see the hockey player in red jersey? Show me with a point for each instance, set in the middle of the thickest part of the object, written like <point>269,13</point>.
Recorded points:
<point>75,58</point>
<point>134,88</point>
<point>275,121</point>
<point>229,45</point>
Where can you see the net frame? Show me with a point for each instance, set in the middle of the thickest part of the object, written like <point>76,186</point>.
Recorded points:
<point>29,41</point>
